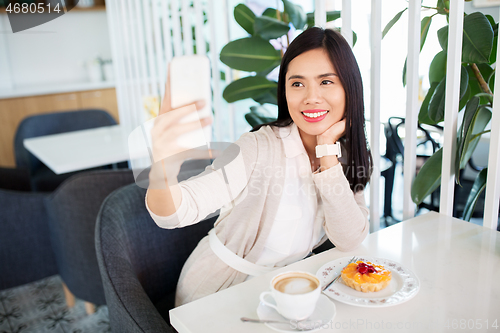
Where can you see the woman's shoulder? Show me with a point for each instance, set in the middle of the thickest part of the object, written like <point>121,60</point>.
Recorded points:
<point>265,135</point>
<point>259,145</point>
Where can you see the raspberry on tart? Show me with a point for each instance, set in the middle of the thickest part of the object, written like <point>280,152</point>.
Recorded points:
<point>366,277</point>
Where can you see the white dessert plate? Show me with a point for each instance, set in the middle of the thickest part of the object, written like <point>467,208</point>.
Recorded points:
<point>321,317</point>
<point>404,284</point>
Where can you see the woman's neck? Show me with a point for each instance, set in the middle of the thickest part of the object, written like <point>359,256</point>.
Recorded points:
<point>309,142</point>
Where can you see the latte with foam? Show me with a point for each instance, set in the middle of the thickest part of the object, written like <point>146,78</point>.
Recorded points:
<point>295,283</point>
<point>295,294</point>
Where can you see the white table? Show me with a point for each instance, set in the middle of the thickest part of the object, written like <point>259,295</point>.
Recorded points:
<point>457,263</point>
<point>79,150</point>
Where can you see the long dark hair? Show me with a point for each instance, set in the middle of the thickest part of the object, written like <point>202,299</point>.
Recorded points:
<point>359,162</point>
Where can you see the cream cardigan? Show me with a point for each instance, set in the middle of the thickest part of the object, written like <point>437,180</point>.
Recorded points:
<point>256,179</point>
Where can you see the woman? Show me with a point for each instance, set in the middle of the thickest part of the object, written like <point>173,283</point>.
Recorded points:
<point>282,196</point>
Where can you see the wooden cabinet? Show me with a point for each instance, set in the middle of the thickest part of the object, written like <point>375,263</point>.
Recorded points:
<point>49,103</point>
<point>14,110</point>
<point>99,99</point>
<point>11,114</point>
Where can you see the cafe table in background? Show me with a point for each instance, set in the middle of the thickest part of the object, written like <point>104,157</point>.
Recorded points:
<point>457,264</point>
<point>80,150</point>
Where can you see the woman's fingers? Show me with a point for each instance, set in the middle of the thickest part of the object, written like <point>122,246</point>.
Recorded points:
<point>191,126</point>
<point>172,117</point>
<point>166,135</point>
<point>333,133</point>
<point>185,110</point>
<point>199,104</point>
<point>338,129</point>
<point>166,104</point>
<point>166,143</point>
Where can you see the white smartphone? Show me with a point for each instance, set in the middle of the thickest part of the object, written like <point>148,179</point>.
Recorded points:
<point>190,82</point>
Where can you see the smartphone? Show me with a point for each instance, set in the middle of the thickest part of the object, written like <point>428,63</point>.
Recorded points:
<point>190,82</point>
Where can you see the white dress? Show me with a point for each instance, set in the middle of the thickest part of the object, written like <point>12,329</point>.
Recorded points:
<point>298,224</point>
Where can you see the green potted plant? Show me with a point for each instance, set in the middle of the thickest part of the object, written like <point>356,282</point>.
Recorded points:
<point>476,97</point>
<point>257,55</point>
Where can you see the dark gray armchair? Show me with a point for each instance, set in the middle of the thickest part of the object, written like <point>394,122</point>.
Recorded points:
<point>25,249</point>
<point>140,263</point>
<point>73,209</point>
<point>15,179</point>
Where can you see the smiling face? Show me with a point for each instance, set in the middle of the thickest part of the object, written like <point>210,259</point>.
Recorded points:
<point>314,94</point>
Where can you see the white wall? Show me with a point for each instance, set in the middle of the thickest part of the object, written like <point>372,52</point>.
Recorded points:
<point>54,52</point>
<point>5,73</point>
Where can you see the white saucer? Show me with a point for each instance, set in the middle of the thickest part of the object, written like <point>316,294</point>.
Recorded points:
<point>404,284</point>
<point>322,316</point>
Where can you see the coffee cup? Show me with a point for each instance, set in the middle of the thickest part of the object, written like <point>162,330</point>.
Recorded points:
<point>295,294</point>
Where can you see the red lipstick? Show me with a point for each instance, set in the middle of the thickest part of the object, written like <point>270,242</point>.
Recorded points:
<point>315,119</point>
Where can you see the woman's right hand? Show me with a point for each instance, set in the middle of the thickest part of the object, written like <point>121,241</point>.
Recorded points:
<point>165,134</point>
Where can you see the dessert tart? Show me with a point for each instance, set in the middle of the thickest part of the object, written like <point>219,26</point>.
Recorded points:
<point>366,277</point>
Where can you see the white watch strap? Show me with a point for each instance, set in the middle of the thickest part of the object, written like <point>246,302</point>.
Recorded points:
<point>328,150</point>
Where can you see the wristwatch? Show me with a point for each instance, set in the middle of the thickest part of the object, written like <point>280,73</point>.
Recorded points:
<point>328,150</point>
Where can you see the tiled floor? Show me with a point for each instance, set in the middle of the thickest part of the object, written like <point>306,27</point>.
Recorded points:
<point>41,307</point>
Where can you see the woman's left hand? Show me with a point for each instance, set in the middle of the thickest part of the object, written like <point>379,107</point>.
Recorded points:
<point>333,134</point>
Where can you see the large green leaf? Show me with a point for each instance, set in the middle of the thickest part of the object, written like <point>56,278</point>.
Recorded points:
<point>271,12</point>
<point>310,20</point>
<point>443,37</point>
<point>437,69</point>
<point>247,87</point>
<point>330,16</point>
<point>437,102</point>
<point>296,14</point>
<point>465,98</point>
<point>268,70</point>
<point>245,17</point>
<point>477,39</point>
<point>428,178</point>
<point>491,82</point>
<point>270,28</point>
<point>478,187</point>
<point>493,55</point>
<point>477,125</point>
<point>270,97</point>
<point>493,24</point>
<point>424,29</point>
<point>254,120</point>
<point>261,112</point>
<point>258,115</point>
<point>487,96</point>
<point>423,115</point>
<point>250,54</point>
<point>392,22</point>
<point>471,110</point>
